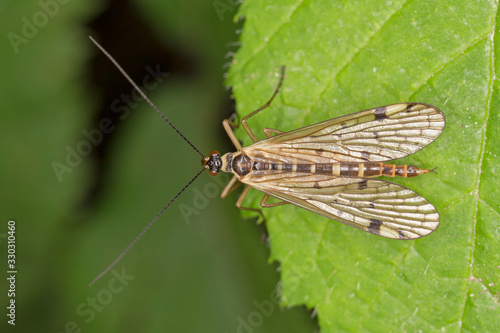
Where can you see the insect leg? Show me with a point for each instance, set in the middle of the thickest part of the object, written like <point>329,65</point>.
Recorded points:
<point>240,201</point>
<point>244,120</point>
<point>228,126</point>
<point>264,203</point>
<point>268,132</point>
<point>230,187</point>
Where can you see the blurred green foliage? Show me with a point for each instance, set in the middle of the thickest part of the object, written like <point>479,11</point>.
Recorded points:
<point>208,272</point>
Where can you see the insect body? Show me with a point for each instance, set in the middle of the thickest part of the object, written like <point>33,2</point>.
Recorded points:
<point>328,168</point>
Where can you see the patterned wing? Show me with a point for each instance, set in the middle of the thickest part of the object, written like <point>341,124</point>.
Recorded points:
<point>373,205</point>
<point>382,134</point>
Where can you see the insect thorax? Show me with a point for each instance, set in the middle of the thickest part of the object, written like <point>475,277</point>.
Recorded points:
<point>238,163</point>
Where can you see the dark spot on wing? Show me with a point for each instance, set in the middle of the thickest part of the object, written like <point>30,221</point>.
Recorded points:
<point>371,205</point>
<point>316,185</point>
<point>380,113</point>
<point>409,106</point>
<point>402,235</point>
<point>365,155</point>
<point>363,184</point>
<point>374,226</point>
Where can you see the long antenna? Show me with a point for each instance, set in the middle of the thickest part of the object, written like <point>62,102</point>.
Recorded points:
<point>144,230</point>
<point>136,87</point>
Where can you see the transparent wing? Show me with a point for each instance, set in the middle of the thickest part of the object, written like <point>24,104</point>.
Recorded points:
<point>381,134</point>
<point>373,205</point>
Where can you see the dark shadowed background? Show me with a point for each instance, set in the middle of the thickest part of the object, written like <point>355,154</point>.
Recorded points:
<point>85,167</point>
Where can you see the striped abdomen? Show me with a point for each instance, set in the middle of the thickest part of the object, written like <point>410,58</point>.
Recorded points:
<point>370,169</point>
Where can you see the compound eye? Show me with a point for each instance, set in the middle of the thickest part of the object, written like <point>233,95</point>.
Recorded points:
<point>213,162</point>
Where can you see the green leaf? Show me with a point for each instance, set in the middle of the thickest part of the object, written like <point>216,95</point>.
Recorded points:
<point>343,57</point>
